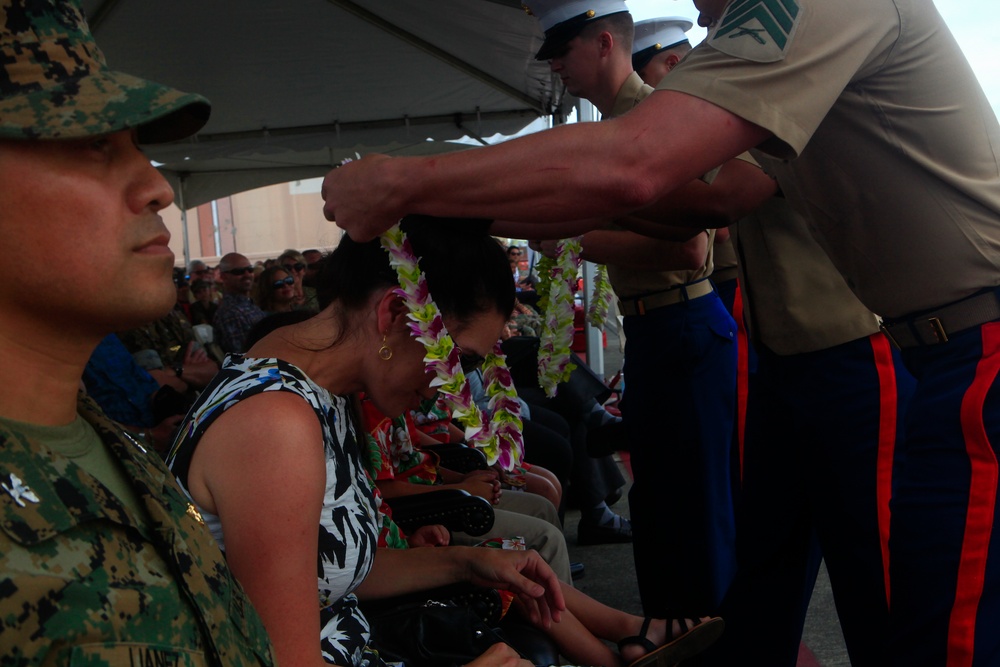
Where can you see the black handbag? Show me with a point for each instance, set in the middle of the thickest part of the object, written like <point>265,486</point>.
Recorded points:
<point>431,634</point>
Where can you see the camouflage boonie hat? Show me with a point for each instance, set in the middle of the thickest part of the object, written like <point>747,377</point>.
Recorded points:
<point>55,83</point>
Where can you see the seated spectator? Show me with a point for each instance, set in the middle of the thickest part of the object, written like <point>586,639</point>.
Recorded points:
<point>294,263</point>
<point>586,624</point>
<point>132,397</point>
<point>432,424</point>
<point>546,436</point>
<point>199,270</point>
<point>182,284</point>
<point>237,312</point>
<point>274,290</point>
<point>313,258</point>
<point>202,306</point>
<point>593,480</point>
<point>524,321</point>
<point>169,345</point>
<point>524,283</point>
<point>281,455</point>
<point>411,471</point>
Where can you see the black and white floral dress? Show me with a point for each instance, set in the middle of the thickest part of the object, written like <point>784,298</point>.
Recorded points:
<point>347,529</point>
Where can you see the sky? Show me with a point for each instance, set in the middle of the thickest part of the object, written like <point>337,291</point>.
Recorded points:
<point>973,22</point>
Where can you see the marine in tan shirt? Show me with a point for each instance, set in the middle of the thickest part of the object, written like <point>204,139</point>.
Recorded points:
<point>871,120</point>
<point>679,357</point>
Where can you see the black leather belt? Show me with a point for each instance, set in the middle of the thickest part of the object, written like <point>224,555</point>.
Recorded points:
<point>644,304</point>
<point>933,328</point>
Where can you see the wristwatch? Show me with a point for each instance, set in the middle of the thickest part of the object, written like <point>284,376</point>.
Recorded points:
<point>179,370</point>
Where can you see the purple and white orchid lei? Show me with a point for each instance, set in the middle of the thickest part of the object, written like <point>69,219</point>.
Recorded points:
<point>500,437</point>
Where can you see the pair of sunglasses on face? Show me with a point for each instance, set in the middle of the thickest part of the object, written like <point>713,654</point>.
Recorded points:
<point>287,280</point>
<point>240,271</point>
<point>297,266</point>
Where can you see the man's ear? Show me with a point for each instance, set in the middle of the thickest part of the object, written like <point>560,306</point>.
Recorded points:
<point>672,61</point>
<point>606,43</point>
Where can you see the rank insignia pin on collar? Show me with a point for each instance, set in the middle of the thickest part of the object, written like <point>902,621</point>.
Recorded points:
<point>19,491</point>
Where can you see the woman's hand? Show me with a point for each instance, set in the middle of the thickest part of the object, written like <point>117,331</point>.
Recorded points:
<point>525,574</point>
<point>499,655</point>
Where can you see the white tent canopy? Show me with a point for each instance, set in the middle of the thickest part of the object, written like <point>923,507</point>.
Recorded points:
<point>298,85</point>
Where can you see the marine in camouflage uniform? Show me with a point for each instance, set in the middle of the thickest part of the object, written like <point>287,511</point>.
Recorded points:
<point>169,336</point>
<point>103,561</point>
<point>88,580</point>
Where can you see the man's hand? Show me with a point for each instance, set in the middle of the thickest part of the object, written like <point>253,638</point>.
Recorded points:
<point>526,575</point>
<point>198,368</point>
<point>358,206</point>
<point>195,354</point>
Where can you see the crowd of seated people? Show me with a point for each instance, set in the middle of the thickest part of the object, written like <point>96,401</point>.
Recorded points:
<point>290,430</point>
<point>168,369</point>
<point>147,376</point>
<point>577,411</point>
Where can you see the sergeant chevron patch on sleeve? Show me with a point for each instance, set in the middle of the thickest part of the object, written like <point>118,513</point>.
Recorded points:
<point>757,30</point>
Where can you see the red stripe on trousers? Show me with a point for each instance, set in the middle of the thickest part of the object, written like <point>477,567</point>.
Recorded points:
<point>742,372</point>
<point>888,402</point>
<point>982,501</point>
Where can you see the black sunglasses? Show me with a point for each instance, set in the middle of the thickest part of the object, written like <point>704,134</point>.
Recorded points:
<point>287,280</point>
<point>240,271</point>
<point>297,266</point>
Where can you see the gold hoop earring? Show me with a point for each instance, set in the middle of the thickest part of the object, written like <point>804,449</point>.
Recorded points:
<point>384,352</point>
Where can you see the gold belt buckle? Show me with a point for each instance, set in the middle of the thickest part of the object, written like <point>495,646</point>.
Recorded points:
<point>640,306</point>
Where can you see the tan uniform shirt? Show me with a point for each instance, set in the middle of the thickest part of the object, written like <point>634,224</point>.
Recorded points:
<point>724,258</point>
<point>891,146</point>
<point>628,281</point>
<point>794,299</point>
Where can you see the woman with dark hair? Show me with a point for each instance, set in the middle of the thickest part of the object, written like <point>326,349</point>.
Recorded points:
<point>274,290</point>
<point>273,449</point>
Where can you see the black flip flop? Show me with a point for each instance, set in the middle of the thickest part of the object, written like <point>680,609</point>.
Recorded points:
<point>688,644</point>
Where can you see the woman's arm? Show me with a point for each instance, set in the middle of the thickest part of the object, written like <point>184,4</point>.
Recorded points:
<point>399,571</point>
<point>260,467</point>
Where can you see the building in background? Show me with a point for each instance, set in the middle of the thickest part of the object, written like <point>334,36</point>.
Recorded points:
<point>259,223</point>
